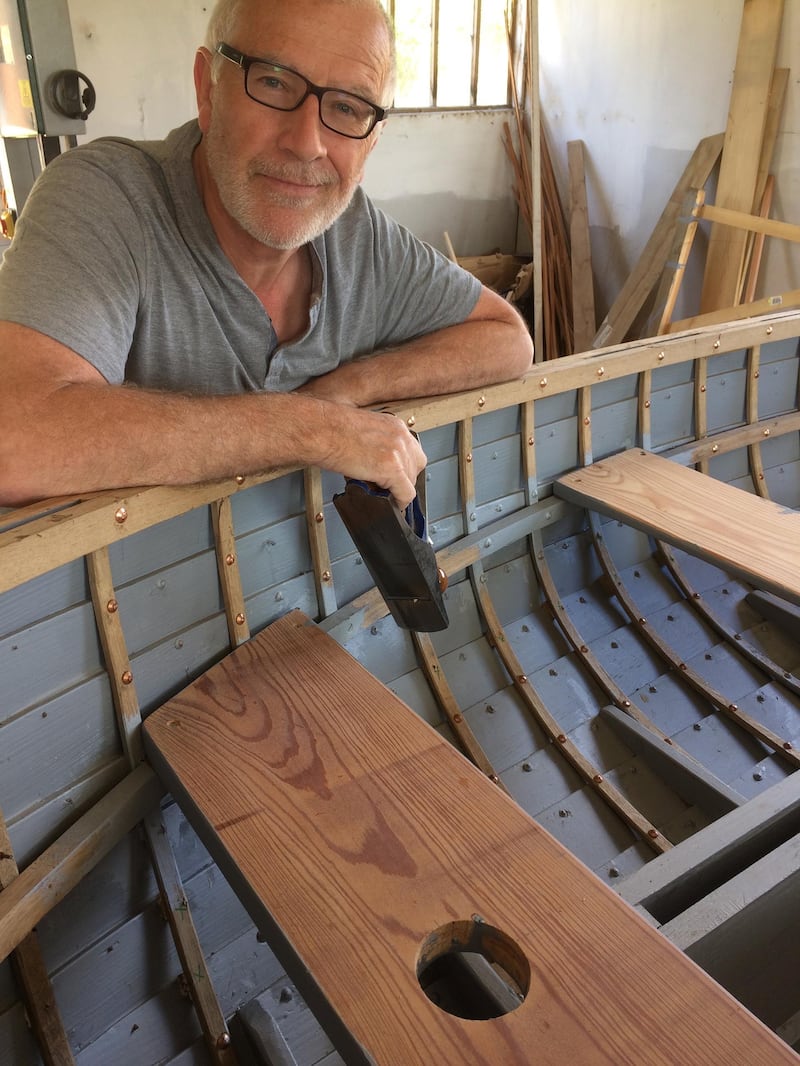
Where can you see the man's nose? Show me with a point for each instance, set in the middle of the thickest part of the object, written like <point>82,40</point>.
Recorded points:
<point>302,131</point>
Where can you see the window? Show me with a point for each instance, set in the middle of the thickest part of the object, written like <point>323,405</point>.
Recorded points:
<point>451,53</point>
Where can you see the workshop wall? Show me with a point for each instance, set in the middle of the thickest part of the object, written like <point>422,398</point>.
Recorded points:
<point>639,81</point>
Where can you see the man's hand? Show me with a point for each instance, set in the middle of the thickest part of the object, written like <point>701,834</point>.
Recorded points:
<point>378,448</point>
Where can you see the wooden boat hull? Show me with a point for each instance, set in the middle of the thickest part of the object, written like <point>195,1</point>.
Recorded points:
<point>576,644</point>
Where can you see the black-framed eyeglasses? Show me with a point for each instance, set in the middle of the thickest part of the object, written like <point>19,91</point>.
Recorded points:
<point>285,90</point>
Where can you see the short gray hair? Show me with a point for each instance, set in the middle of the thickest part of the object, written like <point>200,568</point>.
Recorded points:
<point>225,16</point>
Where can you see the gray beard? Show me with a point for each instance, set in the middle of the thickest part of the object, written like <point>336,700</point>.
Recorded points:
<point>239,200</point>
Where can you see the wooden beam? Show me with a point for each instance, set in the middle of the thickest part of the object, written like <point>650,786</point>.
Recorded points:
<point>58,870</point>
<point>782,301</point>
<point>650,265</point>
<point>31,972</point>
<point>583,311</point>
<point>770,227</point>
<point>744,136</point>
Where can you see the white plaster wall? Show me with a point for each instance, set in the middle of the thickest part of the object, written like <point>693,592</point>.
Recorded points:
<point>639,81</point>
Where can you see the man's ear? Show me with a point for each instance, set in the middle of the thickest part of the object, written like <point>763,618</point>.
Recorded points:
<point>203,85</point>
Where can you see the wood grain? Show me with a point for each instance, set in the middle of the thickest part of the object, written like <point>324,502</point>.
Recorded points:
<point>743,533</point>
<point>352,832</point>
<point>741,155</point>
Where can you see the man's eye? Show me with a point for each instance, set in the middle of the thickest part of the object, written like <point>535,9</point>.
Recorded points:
<point>271,82</point>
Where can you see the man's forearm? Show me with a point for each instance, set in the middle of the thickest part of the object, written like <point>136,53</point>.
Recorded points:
<point>460,357</point>
<point>83,437</point>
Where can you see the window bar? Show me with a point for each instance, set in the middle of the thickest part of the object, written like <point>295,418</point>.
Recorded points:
<point>434,52</point>
<point>476,52</point>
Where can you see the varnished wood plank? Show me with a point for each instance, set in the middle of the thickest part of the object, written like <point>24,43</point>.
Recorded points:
<point>750,536</point>
<point>744,135</point>
<point>352,832</point>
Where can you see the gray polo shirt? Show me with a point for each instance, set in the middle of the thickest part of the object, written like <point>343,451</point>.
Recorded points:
<point>115,257</point>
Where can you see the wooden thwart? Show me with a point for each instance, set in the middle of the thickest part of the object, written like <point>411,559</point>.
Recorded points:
<point>362,843</point>
<point>742,533</point>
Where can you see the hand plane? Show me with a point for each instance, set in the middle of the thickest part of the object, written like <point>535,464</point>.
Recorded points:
<point>397,553</point>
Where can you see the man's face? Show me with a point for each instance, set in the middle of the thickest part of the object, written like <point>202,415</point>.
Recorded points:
<point>282,175</point>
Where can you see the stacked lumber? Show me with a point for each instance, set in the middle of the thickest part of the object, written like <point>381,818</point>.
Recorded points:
<point>537,195</point>
<point>739,217</point>
<point>561,315</point>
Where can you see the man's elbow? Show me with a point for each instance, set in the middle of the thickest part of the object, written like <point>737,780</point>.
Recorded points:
<point>517,348</point>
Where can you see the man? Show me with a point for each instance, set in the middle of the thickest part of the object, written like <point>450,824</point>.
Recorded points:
<point>236,281</point>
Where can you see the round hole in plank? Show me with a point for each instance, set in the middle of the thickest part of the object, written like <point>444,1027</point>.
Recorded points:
<point>472,970</point>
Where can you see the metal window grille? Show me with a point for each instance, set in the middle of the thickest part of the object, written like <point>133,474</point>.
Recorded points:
<point>452,53</point>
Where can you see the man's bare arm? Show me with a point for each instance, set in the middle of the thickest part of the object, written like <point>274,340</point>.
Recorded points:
<point>66,430</point>
<point>492,345</point>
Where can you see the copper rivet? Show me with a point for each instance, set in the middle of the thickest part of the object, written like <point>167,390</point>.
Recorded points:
<point>682,666</point>
<point>660,356</point>
<point>531,441</point>
<point>760,477</point>
<point>127,678</point>
<point>326,575</point>
<point>757,374</point>
<point>769,330</point>
<point>647,405</point>
<point>714,447</point>
<point>598,779</point>
<point>600,371</point>
<point>733,708</point>
<point>788,745</point>
<point>223,1041</point>
<point>319,517</point>
<point>112,606</point>
<point>457,719</point>
<point>230,559</point>
<point>626,703</point>
<point>239,479</point>
<point>766,432</point>
<point>652,833</point>
<point>716,345</point>
<point>469,457</point>
<point>523,679</point>
<point>584,649</point>
<point>642,621</point>
<point>240,619</point>
<point>412,421</point>
<point>121,514</point>
<point>562,739</point>
<point>482,401</point>
<point>702,388</point>
<point>587,421</point>
<point>543,383</point>
<point>494,778</point>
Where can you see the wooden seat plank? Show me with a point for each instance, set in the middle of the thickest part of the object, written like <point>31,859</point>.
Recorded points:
<point>755,538</point>
<point>352,831</point>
